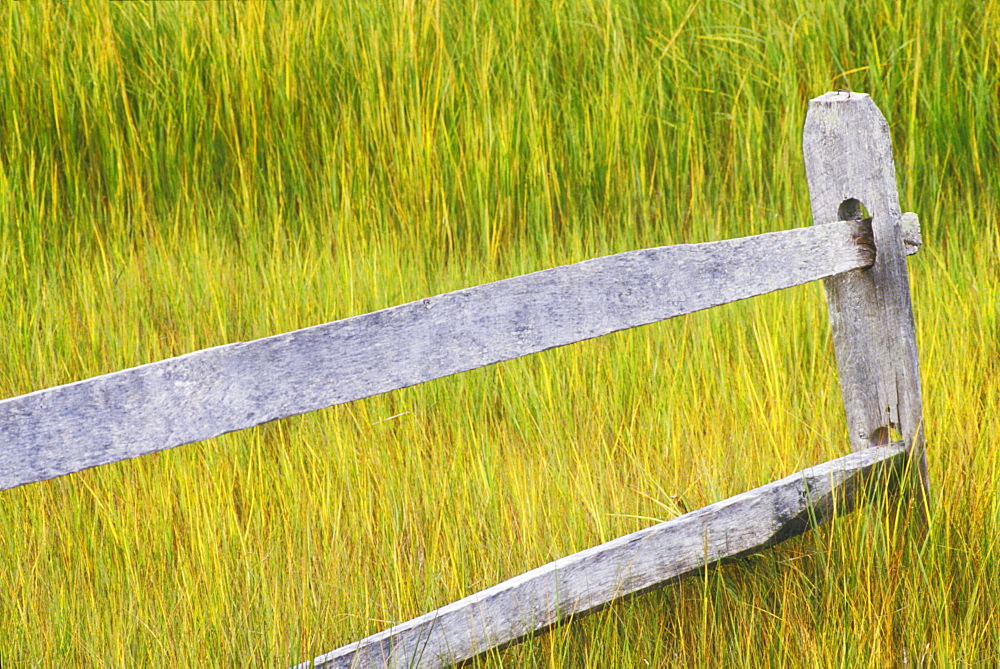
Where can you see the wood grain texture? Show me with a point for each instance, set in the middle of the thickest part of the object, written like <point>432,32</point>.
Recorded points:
<point>638,562</point>
<point>210,392</point>
<point>848,156</point>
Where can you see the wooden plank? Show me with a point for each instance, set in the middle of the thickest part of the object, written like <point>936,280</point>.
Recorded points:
<point>638,562</point>
<point>848,156</point>
<point>210,392</point>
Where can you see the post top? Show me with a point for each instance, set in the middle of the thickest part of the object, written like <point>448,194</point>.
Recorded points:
<point>840,96</point>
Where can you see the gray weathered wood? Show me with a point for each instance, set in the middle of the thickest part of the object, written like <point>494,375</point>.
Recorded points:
<point>210,392</point>
<point>848,157</point>
<point>641,561</point>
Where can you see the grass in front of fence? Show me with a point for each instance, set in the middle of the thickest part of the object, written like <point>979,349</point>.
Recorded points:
<point>175,176</point>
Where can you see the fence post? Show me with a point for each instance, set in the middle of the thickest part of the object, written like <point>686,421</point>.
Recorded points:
<point>849,167</point>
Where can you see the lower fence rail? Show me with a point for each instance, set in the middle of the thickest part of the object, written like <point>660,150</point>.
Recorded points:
<point>650,558</point>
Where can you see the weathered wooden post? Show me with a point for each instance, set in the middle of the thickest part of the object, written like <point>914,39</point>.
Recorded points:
<point>848,159</point>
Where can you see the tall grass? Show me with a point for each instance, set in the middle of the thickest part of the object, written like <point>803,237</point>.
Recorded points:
<point>176,175</point>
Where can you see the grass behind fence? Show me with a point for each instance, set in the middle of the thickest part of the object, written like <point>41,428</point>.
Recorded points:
<point>175,176</point>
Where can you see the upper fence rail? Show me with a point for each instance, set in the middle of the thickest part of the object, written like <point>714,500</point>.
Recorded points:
<point>207,393</point>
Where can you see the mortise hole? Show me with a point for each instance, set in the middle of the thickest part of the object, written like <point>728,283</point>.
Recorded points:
<point>885,435</point>
<point>880,437</point>
<point>852,210</point>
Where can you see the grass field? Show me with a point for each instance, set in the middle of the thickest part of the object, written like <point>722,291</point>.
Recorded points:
<point>175,176</point>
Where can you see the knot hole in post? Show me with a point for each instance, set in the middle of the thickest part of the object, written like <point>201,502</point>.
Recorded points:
<point>852,209</point>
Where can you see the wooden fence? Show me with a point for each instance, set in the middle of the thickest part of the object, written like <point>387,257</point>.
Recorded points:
<point>200,395</point>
